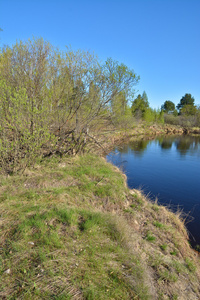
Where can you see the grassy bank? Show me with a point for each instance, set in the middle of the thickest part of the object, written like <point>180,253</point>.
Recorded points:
<point>71,229</point>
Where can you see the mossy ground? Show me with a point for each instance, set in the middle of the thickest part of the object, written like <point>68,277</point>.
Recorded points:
<point>71,229</point>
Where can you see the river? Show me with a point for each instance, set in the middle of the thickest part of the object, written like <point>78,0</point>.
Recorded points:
<point>166,168</point>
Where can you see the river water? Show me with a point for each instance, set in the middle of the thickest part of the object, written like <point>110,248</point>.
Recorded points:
<point>167,168</point>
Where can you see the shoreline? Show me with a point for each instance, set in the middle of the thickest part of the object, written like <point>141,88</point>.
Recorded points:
<point>111,138</point>
<point>77,217</point>
<point>168,131</point>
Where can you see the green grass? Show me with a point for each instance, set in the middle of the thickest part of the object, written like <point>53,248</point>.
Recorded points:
<point>56,244</point>
<point>190,265</point>
<point>168,276</point>
<point>163,247</point>
<point>174,252</point>
<point>158,224</point>
<point>71,229</point>
<point>89,240</point>
<point>150,237</point>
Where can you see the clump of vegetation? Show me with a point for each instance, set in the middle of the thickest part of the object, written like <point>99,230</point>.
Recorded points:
<point>141,110</point>
<point>163,247</point>
<point>51,101</point>
<point>187,113</point>
<point>150,237</point>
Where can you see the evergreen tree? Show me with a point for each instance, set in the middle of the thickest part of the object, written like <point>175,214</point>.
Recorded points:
<point>186,100</point>
<point>168,107</point>
<point>139,105</point>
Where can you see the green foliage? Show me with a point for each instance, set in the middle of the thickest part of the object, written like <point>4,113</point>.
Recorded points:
<point>188,110</point>
<point>190,265</point>
<point>46,93</point>
<point>174,252</point>
<point>168,106</point>
<point>159,116</point>
<point>175,113</point>
<point>163,247</point>
<point>148,115</point>
<point>185,101</point>
<point>121,113</point>
<point>140,105</point>
<point>51,100</point>
<point>144,97</point>
<point>150,237</point>
<point>153,115</point>
<point>23,129</point>
<point>140,109</point>
<point>158,224</point>
<point>188,115</point>
<point>168,276</point>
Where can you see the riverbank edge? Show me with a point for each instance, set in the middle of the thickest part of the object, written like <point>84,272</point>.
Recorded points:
<point>80,198</point>
<point>110,138</point>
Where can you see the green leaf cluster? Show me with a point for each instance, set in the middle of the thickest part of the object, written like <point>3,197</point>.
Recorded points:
<point>140,105</point>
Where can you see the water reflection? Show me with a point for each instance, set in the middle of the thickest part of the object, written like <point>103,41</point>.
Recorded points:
<point>183,145</point>
<point>167,167</point>
<point>138,148</point>
<point>165,143</point>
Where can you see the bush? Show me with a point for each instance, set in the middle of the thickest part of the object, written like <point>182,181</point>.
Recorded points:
<point>153,115</point>
<point>23,130</point>
<point>171,119</point>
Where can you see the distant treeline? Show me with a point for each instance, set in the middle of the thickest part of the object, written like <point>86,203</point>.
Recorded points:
<point>186,113</point>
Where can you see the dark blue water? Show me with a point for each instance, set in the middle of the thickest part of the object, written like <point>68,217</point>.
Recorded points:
<point>168,168</point>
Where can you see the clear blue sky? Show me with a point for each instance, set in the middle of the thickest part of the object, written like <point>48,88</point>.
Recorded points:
<point>159,39</point>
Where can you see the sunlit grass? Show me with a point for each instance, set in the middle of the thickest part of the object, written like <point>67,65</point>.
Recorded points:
<point>71,229</point>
